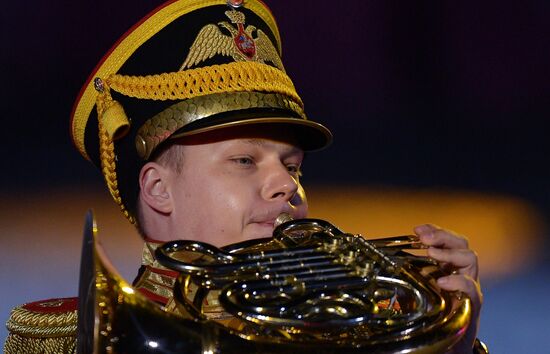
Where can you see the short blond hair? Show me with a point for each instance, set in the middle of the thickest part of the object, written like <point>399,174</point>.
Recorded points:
<point>169,155</point>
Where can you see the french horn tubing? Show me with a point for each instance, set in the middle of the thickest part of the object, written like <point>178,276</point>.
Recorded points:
<point>310,288</point>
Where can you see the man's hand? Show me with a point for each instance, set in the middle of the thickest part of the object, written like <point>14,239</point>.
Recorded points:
<point>453,252</point>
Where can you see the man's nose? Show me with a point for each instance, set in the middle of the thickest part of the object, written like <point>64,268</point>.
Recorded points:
<point>279,184</point>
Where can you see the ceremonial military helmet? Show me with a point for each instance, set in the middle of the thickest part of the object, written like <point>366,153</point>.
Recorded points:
<point>189,67</point>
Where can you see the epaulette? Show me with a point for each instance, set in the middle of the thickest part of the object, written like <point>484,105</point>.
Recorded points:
<point>46,326</point>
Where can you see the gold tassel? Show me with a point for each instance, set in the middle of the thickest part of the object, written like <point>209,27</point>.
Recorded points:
<point>115,121</point>
<point>113,125</point>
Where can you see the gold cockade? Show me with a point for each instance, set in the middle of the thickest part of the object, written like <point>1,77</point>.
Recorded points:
<point>241,45</point>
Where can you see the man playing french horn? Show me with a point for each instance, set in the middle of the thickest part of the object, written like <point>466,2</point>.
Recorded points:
<point>200,135</point>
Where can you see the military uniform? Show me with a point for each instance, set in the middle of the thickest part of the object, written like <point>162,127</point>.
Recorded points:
<point>50,326</point>
<point>188,67</point>
<point>47,326</point>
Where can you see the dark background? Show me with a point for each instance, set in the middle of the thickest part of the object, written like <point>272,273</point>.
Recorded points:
<point>419,94</point>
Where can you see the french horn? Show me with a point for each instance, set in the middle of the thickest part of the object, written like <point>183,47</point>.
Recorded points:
<point>311,288</point>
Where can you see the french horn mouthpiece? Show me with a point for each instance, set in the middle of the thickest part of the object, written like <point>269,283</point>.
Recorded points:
<point>282,218</point>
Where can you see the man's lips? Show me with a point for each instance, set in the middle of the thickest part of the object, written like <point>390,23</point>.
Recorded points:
<point>264,222</point>
<point>269,216</point>
<point>269,223</point>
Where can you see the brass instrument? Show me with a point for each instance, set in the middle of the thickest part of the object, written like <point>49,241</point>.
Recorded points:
<point>310,288</point>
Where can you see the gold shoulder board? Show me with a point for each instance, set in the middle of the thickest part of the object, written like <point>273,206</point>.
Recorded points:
<point>46,326</point>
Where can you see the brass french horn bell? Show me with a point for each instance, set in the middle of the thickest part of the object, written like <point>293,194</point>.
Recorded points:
<point>310,288</point>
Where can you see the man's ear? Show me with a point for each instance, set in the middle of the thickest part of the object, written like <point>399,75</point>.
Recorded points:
<point>154,182</point>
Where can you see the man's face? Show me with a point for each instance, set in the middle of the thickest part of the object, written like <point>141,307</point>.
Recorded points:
<point>233,190</point>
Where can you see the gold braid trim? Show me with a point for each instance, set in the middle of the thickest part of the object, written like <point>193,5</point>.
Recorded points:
<point>16,344</point>
<point>129,44</point>
<point>110,111</point>
<point>194,83</point>
<point>108,169</point>
<point>27,322</point>
<point>163,125</point>
<point>159,284</point>
<point>41,332</point>
<point>232,77</point>
<point>32,332</point>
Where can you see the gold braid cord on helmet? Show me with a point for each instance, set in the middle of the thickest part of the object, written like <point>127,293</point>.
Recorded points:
<point>234,52</point>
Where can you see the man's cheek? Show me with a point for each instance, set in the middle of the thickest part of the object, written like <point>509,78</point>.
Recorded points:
<point>228,202</point>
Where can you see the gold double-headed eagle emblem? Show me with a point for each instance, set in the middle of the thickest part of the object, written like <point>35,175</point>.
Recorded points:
<point>240,44</point>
